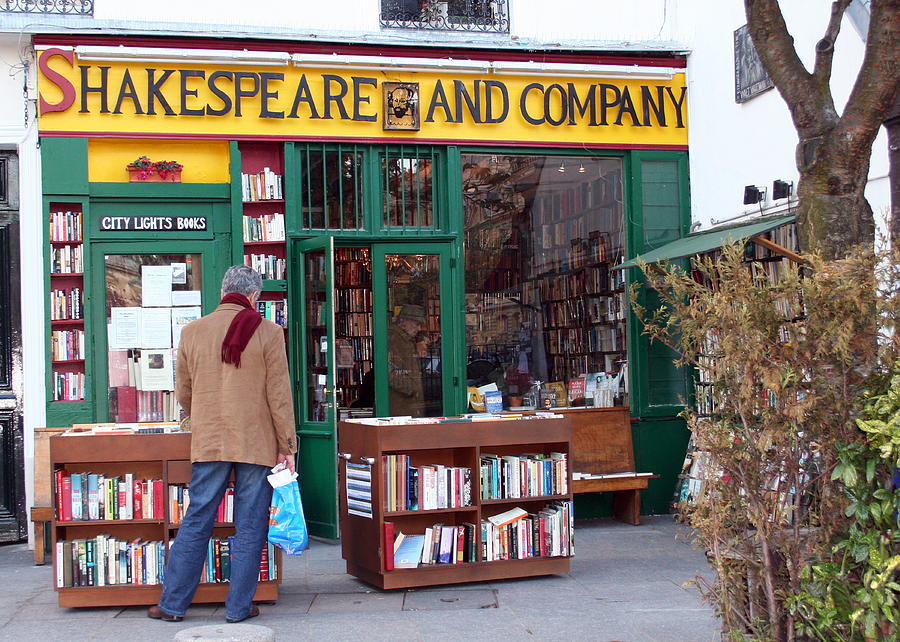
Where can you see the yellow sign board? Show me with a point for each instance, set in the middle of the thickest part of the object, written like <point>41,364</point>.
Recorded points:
<point>133,98</point>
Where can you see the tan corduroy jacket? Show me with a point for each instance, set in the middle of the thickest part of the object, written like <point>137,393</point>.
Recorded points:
<point>241,414</point>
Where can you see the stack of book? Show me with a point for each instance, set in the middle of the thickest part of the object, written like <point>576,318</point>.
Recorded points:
<point>512,476</point>
<point>104,560</point>
<point>518,534</point>
<point>95,496</point>
<point>429,487</point>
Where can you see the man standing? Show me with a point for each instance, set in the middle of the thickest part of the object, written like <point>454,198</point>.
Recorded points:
<point>405,385</point>
<point>232,379</point>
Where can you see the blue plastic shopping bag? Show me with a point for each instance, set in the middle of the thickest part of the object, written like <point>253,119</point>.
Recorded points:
<point>287,526</point>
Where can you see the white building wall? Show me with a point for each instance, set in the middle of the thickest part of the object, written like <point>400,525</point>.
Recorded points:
<point>15,133</point>
<point>733,145</point>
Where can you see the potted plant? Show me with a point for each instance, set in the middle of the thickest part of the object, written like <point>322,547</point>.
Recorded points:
<point>145,170</point>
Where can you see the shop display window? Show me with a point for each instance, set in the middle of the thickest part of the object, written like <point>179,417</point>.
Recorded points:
<point>149,299</point>
<point>545,311</point>
<point>407,184</point>
<point>331,188</point>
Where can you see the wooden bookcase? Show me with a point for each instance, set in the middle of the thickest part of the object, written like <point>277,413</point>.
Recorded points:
<point>264,225</point>
<point>451,443</point>
<point>66,303</point>
<point>158,456</point>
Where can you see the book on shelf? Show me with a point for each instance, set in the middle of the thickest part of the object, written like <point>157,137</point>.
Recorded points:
<point>265,227</point>
<point>507,517</point>
<point>547,533</point>
<point>409,552</point>
<point>105,560</point>
<point>217,566</point>
<point>428,487</point>
<point>66,226</point>
<point>532,475</point>
<point>107,497</point>
<point>261,186</point>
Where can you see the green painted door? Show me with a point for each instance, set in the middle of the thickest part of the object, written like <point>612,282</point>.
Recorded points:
<point>313,328</point>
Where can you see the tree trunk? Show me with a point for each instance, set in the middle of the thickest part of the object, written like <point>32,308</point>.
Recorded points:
<point>833,214</point>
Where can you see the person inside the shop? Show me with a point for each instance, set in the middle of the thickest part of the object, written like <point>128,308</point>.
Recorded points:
<point>407,395</point>
<point>232,379</point>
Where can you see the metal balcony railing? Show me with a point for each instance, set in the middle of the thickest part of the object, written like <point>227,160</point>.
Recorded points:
<point>58,7</point>
<point>446,15</point>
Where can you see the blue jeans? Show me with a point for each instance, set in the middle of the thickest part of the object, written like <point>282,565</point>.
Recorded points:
<point>252,497</point>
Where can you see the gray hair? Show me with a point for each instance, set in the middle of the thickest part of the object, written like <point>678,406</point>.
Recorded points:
<point>241,279</point>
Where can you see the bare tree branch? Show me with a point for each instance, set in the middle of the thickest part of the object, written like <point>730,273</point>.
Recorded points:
<point>825,47</point>
<point>775,47</point>
<point>878,81</point>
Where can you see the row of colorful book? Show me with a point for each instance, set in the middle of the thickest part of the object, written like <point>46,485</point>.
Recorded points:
<point>65,226</point>
<point>66,304</point>
<point>513,476</point>
<point>429,487</point>
<point>518,534</point>
<point>265,227</point>
<point>217,566</point>
<point>67,259</point>
<point>274,311</point>
<point>440,544</point>
<point>269,266</point>
<point>67,345</point>
<point>180,499</point>
<point>105,560</point>
<point>262,186</point>
<point>95,496</point>
<point>68,386</point>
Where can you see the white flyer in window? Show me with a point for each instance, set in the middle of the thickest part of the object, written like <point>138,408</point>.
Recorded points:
<point>124,328</point>
<point>180,318</point>
<point>185,297</point>
<point>156,328</point>
<point>157,372</point>
<point>156,285</point>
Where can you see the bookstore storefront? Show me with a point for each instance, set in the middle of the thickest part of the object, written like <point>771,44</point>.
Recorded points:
<point>438,233</point>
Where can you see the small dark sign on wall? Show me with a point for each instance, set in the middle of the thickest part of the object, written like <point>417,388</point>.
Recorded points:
<point>152,224</point>
<point>750,77</point>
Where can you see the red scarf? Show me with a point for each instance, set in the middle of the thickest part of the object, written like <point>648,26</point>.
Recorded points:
<point>242,327</point>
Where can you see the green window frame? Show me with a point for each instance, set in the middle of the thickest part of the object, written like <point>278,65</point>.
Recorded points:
<point>659,192</point>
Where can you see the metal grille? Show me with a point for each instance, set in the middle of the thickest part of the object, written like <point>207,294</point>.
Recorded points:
<point>331,188</point>
<point>407,187</point>
<point>64,7</point>
<point>446,15</point>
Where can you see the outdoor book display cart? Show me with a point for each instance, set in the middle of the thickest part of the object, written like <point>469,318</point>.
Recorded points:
<point>510,464</point>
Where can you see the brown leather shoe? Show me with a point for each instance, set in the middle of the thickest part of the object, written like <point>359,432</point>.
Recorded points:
<point>156,613</point>
<point>253,613</point>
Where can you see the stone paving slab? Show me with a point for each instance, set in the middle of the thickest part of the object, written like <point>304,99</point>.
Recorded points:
<point>625,584</point>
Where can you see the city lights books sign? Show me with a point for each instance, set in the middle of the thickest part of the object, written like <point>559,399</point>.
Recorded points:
<point>534,103</point>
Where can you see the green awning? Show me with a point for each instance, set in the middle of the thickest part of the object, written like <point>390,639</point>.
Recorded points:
<point>708,240</point>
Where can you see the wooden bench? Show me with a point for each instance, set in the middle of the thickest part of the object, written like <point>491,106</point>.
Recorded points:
<point>43,506</point>
<point>602,448</point>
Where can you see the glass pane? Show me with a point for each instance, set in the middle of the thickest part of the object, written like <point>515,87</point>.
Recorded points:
<point>331,190</point>
<point>545,313</point>
<point>149,299</point>
<point>316,335</point>
<point>408,194</point>
<point>353,330</point>
<point>414,335</point>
